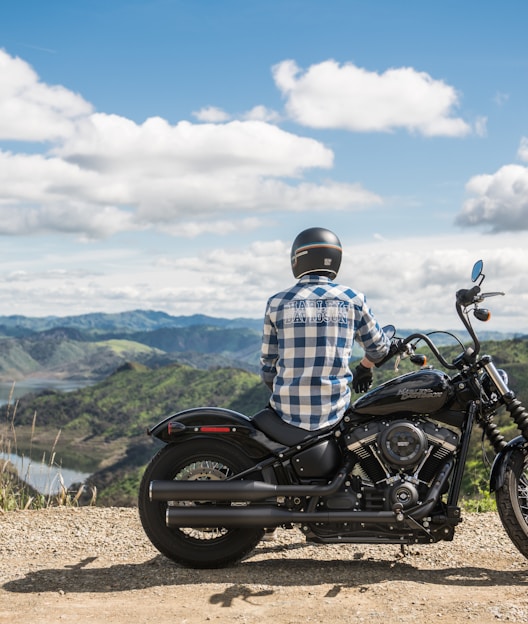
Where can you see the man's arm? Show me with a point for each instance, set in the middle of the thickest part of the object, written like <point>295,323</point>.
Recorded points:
<point>269,351</point>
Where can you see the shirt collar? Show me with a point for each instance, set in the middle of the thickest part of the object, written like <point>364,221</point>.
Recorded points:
<point>314,279</point>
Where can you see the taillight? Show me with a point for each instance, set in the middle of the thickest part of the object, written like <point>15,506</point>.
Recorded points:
<point>213,429</point>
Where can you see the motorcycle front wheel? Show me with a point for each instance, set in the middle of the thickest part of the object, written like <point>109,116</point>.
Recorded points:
<point>512,500</point>
<point>211,547</point>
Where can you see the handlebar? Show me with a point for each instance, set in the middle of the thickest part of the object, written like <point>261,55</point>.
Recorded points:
<point>431,346</point>
<point>465,297</point>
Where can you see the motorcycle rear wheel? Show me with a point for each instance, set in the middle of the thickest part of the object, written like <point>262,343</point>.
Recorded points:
<point>213,547</point>
<point>512,500</point>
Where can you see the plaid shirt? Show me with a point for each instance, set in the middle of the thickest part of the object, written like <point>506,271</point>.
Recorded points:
<point>307,343</point>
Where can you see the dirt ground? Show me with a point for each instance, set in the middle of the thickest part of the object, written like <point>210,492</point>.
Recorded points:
<point>96,565</point>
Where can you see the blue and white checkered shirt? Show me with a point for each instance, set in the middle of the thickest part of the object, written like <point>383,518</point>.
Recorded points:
<point>309,331</point>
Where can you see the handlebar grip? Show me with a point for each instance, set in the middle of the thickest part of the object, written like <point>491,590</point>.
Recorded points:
<point>467,296</point>
<point>395,348</point>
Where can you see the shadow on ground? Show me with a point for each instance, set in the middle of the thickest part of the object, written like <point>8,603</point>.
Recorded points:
<point>89,576</point>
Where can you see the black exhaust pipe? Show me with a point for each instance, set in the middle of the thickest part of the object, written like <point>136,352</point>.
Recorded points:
<point>270,516</point>
<point>238,490</point>
<point>244,517</point>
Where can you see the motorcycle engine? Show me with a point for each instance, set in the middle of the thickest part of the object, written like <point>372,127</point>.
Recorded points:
<point>397,461</point>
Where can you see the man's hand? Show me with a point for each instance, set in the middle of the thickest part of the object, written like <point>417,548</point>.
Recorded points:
<point>362,378</point>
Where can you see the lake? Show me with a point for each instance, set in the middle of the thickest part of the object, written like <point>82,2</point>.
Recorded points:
<point>44,478</point>
<point>12,391</point>
<point>40,475</point>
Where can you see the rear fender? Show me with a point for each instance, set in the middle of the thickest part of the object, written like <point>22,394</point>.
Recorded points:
<point>218,423</point>
<point>501,461</point>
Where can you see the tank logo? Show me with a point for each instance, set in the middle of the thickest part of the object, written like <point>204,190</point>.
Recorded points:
<point>418,393</point>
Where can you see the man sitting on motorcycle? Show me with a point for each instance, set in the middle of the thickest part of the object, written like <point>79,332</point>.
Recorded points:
<point>309,331</point>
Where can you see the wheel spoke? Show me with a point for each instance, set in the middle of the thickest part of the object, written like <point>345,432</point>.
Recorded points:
<point>203,470</point>
<point>522,493</point>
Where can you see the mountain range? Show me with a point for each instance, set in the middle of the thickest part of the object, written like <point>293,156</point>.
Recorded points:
<point>89,347</point>
<point>92,346</point>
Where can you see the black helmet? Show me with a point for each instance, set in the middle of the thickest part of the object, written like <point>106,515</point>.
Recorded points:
<point>316,250</point>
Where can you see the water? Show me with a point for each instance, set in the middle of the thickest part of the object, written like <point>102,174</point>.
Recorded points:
<point>13,391</point>
<point>42,476</point>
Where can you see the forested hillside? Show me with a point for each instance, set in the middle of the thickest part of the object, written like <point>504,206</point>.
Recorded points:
<point>93,354</point>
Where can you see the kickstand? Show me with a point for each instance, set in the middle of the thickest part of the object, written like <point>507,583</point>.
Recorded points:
<point>403,550</point>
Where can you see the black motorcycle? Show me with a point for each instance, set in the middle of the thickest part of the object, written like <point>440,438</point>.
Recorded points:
<point>389,472</point>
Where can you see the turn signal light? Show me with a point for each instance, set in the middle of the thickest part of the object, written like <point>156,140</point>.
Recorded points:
<point>419,359</point>
<point>482,315</point>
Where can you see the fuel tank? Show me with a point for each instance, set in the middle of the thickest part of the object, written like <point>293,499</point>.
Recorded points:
<point>419,392</point>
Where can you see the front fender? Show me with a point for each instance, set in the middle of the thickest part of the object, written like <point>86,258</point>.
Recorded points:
<point>215,422</point>
<point>501,460</point>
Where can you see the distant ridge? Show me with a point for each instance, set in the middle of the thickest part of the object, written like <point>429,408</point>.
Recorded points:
<point>133,321</point>
<point>18,326</point>
<point>92,346</point>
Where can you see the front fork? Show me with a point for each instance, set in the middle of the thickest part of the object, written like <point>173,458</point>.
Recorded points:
<point>519,444</point>
<point>519,416</point>
<point>514,406</point>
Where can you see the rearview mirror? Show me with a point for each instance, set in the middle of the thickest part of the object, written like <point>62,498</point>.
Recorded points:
<point>477,270</point>
<point>389,331</point>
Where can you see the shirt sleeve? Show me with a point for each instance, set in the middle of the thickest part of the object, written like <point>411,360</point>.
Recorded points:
<point>269,351</point>
<point>371,337</point>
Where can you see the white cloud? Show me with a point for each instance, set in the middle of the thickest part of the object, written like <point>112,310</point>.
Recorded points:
<point>31,110</point>
<point>165,171</point>
<point>499,201</point>
<point>428,271</point>
<point>41,194</point>
<point>92,223</point>
<point>191,229</point>
<point>113,144</point>
<point>211,114</point>
<point>410,282</point>
<point>329,95</point>
<point>261,113</point>
<point>103,173</point>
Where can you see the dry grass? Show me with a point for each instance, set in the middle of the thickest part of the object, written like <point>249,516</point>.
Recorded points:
<point>15,491</point>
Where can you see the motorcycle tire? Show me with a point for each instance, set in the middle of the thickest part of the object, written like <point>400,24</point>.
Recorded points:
<point>512,500</point>
<point>213,547</point>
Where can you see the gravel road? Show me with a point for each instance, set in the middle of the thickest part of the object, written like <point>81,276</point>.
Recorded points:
<point>94,564</point>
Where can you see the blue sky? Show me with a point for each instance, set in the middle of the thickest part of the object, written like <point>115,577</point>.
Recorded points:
<point>163,154</point>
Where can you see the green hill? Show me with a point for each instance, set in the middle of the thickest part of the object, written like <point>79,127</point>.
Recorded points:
<point>70,353</point>
<point>66,353</point>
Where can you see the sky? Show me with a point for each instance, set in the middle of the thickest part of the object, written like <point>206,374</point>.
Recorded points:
<point>163,154</point>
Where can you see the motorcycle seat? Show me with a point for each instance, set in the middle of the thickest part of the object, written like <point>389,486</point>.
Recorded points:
<point>270,423</point>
